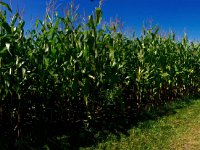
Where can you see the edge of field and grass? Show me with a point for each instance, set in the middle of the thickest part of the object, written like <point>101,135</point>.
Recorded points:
<point>176,125</point>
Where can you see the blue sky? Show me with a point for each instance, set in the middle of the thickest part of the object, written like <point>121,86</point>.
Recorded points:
<point>177,15</point>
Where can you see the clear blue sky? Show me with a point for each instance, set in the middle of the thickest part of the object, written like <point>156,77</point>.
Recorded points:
<point>177,15</point>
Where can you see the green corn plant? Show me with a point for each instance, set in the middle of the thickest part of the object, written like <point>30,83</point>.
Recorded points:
<point>68,72</point>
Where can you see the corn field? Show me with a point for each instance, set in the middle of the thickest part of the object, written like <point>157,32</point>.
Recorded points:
<point>66,73</point>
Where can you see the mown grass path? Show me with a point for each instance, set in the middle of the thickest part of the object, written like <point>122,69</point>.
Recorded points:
<point>189,135</point>
<point>177,129</point>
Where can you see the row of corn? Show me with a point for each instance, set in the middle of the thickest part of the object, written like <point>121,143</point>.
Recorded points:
<point>66,71</point>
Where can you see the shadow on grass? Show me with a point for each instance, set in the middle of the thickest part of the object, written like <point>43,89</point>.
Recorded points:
<point>63,136</point>
<point>114,123</point>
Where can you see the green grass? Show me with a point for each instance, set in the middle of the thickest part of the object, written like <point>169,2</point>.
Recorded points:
<point>177,128</point>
